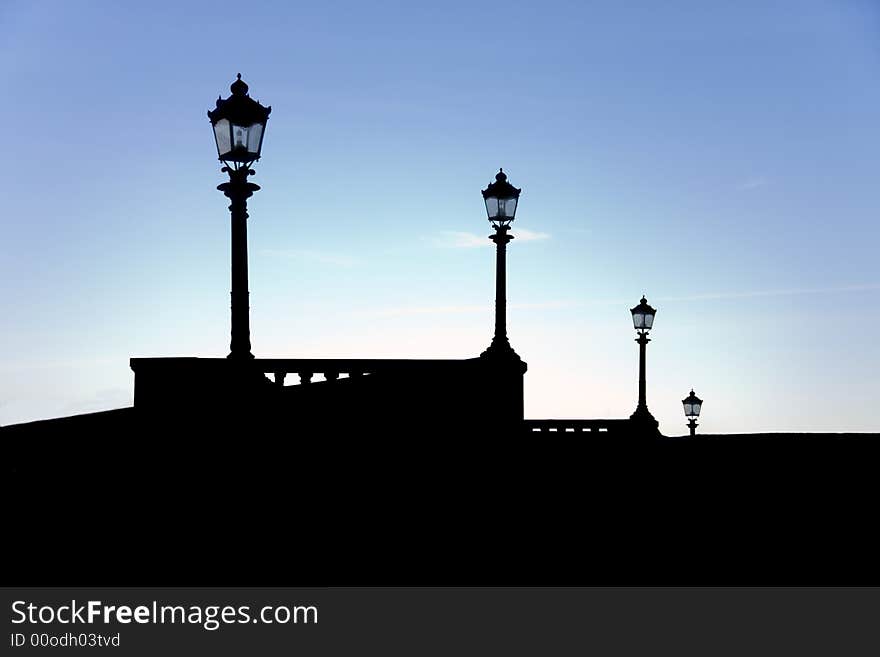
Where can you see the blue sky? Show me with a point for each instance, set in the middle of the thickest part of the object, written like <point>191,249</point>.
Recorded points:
<point>720,157</point>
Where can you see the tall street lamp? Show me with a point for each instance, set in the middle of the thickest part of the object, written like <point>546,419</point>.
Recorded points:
<point>643,321</point>
<point>692,406</point>
<point>239,123</point>
<point>501,199</point>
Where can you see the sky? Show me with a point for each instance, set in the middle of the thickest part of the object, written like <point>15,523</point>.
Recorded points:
<point>721,158</point>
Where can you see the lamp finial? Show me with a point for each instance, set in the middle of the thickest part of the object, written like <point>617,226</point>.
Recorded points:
<point>239,87</point>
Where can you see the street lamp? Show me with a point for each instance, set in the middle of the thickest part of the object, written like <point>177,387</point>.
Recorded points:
<point>239,123</point>
<point>501,199</point>
<point>692,406</point>
<point>643,321</point>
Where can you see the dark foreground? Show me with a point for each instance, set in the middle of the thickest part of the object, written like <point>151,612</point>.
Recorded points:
<point>164,503</point>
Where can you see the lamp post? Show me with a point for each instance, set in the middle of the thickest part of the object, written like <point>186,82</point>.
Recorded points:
<point>501,199</point>
<point>643,321</point>
<point>239,123</point>
<point>692,406</point>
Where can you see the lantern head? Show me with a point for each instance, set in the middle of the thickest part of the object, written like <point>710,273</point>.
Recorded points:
<point>239,124</point>
<point>692,405</point>
<point>643,316</point>
<point>501,199</point>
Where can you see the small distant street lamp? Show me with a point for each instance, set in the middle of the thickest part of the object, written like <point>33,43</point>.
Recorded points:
<point>643,321</point>
<point>501,199</point>
<point>692,406</point>
<point>239,124</point>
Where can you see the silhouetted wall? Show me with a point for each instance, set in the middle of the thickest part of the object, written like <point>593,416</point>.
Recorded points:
<point>378,395</point>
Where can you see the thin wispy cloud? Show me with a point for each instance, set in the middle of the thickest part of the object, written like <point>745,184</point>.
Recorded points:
<point>753,183</point>
<point>315,257</point>
<point>453,239</point>
<point>524,235</point>
<point>781,292</point>
<point>462,308</point>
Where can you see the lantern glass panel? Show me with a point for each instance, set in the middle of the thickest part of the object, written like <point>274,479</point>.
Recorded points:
<point>648,320</point>
<point>255,138</point>
<point>221,134</point>
<point>492,207</point>
<point>507,207</point>
<point>696,409</point>
<point>638,320</point>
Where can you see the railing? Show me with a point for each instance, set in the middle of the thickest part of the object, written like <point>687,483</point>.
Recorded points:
<point>333,369</point>
<point>575,426</point>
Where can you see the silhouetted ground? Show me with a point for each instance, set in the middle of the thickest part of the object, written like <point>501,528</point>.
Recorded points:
<point>161,502</point>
